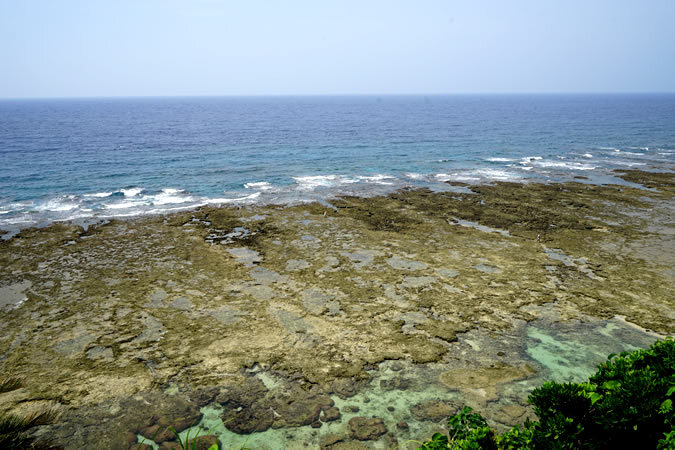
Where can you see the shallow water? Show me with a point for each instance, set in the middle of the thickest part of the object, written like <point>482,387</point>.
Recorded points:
<point>563,352</point>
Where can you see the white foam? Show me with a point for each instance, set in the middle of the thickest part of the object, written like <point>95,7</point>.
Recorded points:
<point>377,179</point>
<point>124,204</point>
<point>632,153</point>
<point>170,195</point>
<point>629,164</point>
<point>171,191</point>
<point>131,192</point>
<point>587,155</point>
<point>565,165</point>
<point>17,220</point>
<point>609,148</point>
<point>59,204</point>
<point>499,159</point>
<point>309,183</point>
<point>246,198</point>
<point>259,185</point>
<point>98,195</point>
<point>455,177</point>
<point>495,174</point>
<point>414,176</point>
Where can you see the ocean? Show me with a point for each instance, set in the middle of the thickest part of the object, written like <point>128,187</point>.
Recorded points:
<point>93,159</point>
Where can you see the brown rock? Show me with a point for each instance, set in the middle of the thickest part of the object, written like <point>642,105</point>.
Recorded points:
<point>395,383</point>
<point>203,442</point>
<point>402,425</point>
<point>248,419</point>
<point>344,387</point>
<point>396,366</point>
<point>138,446</point>
<point>366,429</point>
<point>317,424</point>
<point>157,433</point>
<point>327,440</point>
<point>181,416</point>
<point>330,414</point>
<point>433,410</point>
<point>205,396</point>
<point>245,408</point>
<point>301,407</point>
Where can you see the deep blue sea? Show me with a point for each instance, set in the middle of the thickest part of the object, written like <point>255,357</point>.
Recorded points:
<point>91,159</point>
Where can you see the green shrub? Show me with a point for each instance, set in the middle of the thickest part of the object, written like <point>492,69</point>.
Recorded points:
<point>627,403</point>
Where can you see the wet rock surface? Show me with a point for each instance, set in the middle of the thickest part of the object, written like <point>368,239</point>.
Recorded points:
<point>365,429</point>
<point>136,311</point>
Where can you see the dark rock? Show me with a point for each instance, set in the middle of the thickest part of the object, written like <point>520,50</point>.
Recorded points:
<point>317,424</point>
<point>178,413</point>
<point>341,442</point>
<point>352,408</point>
<point>157,433</point>
<point>395,383</point>
<point>344,387</point>
<point>138,446</point>
<point>203,442</point>
<point>330,414</point>
<point>248,419</point>
<point>132,440</point>
<point>366,429</point>
<point>205,396</point>
<point>245,408</point>
<point>246,393</point>
<point>397,366</point>
<point>433,410</point>
<point>328,440</point>
<point>391,408</point>
<point>402,425</point>
<point>300,407</point>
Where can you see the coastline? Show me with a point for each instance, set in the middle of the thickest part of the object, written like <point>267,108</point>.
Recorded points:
<point>415,300</point>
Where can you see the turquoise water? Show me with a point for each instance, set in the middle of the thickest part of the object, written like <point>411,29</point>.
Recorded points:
<point>564,352</point>
<point>99,158</point>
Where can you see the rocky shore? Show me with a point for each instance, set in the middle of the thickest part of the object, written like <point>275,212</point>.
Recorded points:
<point>362,324</point>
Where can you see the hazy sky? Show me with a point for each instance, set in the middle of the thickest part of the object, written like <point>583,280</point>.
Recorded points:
<point>53,48</point>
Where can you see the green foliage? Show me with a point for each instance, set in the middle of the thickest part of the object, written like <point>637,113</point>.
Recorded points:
<point>516,437</point>
<point>466,431</point>
<point>627,403</point>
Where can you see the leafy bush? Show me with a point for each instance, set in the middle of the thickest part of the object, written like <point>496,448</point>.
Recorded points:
<point>627,403</point>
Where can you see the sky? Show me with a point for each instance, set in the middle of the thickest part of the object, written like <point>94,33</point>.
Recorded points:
<point>85,48</point>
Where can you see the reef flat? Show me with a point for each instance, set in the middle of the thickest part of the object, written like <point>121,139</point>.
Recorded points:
<point>298,324</point>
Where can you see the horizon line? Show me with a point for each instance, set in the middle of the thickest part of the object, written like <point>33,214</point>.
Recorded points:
<point>377,95</point>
